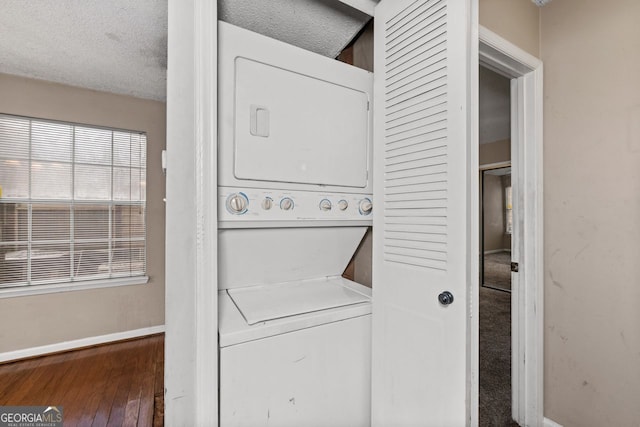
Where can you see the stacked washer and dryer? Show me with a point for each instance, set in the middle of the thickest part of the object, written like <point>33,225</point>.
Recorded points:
<point>294,203</point>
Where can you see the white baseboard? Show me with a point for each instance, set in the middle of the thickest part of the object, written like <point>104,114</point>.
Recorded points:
<point>74,344</point>
<point>550,423</point>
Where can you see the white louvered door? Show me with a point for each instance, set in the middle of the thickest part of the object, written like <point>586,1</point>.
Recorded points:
<point>423,69</point>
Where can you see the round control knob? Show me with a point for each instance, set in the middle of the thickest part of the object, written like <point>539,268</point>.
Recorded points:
<point>325,205</point>
<point>237,203</point>
<point>343,205</point>
<point>267,203</point>
<point>286,204</point>
<point>365,206</point>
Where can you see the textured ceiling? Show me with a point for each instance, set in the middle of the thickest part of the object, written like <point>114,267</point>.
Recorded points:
<point>321,26</point>
<point>117,46</point>
<point>495,107</point>
<point>120,46</point>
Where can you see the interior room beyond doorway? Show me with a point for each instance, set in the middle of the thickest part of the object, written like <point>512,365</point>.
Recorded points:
<point>495,327</point>
<point>497,228</point>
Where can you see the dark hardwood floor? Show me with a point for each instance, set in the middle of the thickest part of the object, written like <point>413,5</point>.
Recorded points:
<point>109,385</point>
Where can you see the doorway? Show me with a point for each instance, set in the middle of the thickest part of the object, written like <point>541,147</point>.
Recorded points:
<point>496,228</point>
<point>524,74</point>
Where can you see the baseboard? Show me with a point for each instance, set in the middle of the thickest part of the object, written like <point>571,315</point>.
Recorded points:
<point>550,423</point>
<point>75,344</point>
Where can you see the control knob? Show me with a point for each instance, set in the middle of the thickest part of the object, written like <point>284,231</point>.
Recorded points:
<point>237,203</point>
<point>267,203</point>
<point>365,206</point>
<point>343,205</point>
<point>325,205</point>
<point>286,204</point>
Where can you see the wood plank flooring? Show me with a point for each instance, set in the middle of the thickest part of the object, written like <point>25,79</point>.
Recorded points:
<point>115,384</point>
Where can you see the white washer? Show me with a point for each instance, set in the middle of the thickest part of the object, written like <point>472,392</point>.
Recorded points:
<point>305,360</point>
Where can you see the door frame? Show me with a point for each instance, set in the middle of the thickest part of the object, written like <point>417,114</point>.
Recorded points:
<point>525,72</point>
<point>191,291</point>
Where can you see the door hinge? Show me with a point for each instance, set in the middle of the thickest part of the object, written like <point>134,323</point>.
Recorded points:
<point>514,267</point>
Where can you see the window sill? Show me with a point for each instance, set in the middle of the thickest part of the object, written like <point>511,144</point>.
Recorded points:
<point>23,291</point>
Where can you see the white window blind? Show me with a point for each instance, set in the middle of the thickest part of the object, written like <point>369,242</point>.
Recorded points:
<point>72,206</point>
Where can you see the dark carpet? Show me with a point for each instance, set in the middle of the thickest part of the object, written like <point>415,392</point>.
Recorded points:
<point>495,358</point>
<point>497,270</point>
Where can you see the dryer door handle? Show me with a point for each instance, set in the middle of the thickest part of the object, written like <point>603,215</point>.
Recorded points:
<point>259,119</point>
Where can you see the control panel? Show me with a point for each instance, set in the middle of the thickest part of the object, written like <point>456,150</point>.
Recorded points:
<point>238,204</point>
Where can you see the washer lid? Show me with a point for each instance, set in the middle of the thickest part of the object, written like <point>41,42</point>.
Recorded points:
<point>262,303</point>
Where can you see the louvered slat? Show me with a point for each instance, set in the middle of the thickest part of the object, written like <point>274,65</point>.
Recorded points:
<point>409,33</point>
<point>416,37</point>
<point>415,164</point>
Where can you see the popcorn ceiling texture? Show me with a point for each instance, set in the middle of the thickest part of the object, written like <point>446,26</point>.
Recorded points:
<point>120,46</point>
<point>117,46</point>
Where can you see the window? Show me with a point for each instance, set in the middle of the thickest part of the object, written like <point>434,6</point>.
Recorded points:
<point>72,207</point>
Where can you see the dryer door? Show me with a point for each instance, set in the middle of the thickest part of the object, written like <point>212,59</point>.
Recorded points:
<point>295,128</point>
